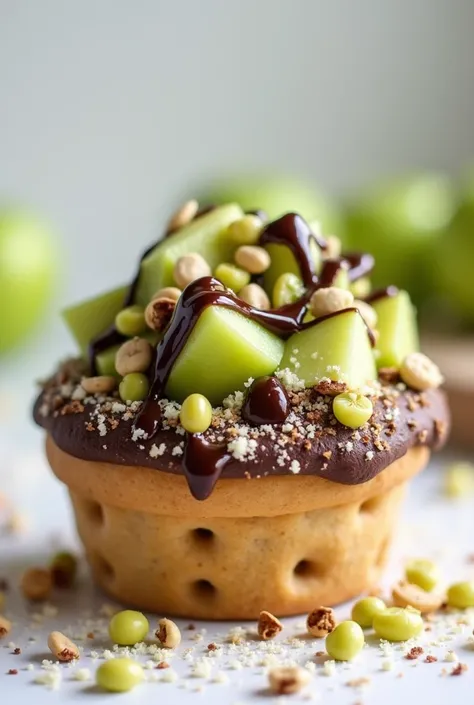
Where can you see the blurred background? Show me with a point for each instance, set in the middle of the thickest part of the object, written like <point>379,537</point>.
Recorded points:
<point>114,111</point>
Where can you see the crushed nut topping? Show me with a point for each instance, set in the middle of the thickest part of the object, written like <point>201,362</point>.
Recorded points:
<point>268,626</point>
<point>321,621</point>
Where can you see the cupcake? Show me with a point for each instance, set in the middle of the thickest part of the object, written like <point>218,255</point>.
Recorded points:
<point>242,420</point>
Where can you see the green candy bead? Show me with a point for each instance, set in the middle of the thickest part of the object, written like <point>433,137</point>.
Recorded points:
<point>423,573</point>
<point>134,387</point>
<point>345,642</point>
<point>461,595</point>
<point>130,321</point>
<point>352,409</point>
<point>196,413</point>
<point>398,624</point>
<point>119,675</point>
<point>288,288</point>
<point>128,627</point>
<point>231,276</point>
<point>246,230</point>
<point>364,611</point>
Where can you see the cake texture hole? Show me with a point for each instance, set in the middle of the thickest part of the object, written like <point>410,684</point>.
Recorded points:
<point>203,535</point>
<point>94,511</point>
<point>204,589</point>
<point>307,569</point>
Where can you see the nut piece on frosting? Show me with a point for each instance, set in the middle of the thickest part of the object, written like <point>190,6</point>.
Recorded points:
<point>329,300</point>
<point>420,373</point>
<point>268,626</point>
<point>321,621</point>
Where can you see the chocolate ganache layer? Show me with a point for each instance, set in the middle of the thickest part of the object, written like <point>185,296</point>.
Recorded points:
<point>310,441</point>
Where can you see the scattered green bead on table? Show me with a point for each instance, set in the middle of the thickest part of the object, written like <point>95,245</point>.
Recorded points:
<point>423,573</point>
<point>128,628</point>
<point>461,595</point>
<point>364,610</point>
<point>345,641</point>
<point>119,675</point>
<point>398,623</point>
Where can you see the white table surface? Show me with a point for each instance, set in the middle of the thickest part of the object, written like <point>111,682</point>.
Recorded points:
<point>433,527</point>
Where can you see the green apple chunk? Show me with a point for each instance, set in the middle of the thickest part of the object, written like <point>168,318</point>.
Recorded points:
<point>398,331</point>
<point>283,261</point>
<point>337,348</point>
<point>222,352</point>
<point>90,318</point>
<point>105,362</point>
<point>205,235</point>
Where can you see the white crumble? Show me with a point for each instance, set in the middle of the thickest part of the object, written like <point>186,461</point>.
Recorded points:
<point>155,450</point>
<point>329,668</point>
<point>82,674</point>
<point>295,466</point>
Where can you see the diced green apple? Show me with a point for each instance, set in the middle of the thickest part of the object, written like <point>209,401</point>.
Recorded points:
<point>222,352</point>
<point>90,318</point>
<point>105,362</point>
<point>283,261</point>
<point>337,348</point>
<point>206,235</point>
<point>397,327</point>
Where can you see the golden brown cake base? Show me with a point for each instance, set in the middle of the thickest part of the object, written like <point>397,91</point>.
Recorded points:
<point>284,544</point>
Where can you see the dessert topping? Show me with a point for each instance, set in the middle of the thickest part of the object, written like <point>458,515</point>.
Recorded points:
<point>190,267</point>
<point>184,215</point>
<point>268,626</point>
<point>255,296</point>
<point>196,413</point>
<point>102,384</point>
<point>246,230</point>
<point>252,258</point>
<point>134,387</point>
<point>266,403</point>
<point>321,621</point>
<point>36,584</point>
<point>168,292</point>
<point>5,626</point>
<point>419,372</point>
<point>158,313</point>
<point>130,321</point>
<point>231,276</point>
<point>62,647</point>
<point>330,300</point>
<point>133,356</point>
<point>352,409</point>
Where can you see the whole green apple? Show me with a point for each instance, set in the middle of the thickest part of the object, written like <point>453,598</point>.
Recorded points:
<point>452,265</point>
<point>28,258</point>
<point>277,195</point>
<point>400,222</point>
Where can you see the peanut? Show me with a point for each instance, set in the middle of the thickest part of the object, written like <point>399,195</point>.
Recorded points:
<point>255,296</point>
<point>420,373</point>
<point>168,292</point>
<point>252,258</point>
<point>158,313</point>
<point>133,356</point>
<point>62,648</point>
<point>321,621</point>
<point>184,215</point>
<point>329,300</point>
<point>98,385</point>
<point>268,626</point>
<point>190,267</point>
<point>168,633</point>
<point>407,595</point>
<point>285,680</point>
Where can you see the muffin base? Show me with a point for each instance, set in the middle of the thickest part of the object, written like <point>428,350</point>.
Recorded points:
<point>283,544</point>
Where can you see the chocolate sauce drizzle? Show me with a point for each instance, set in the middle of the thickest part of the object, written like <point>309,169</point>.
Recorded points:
<point>203,463</point>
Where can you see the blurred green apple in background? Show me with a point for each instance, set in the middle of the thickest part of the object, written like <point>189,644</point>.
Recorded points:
<point>452,265</point>
<point>277,195</point>
<point>400,221</point>
<point>28,259</point>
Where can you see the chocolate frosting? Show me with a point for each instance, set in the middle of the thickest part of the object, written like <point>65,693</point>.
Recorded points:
<point>310,442</point>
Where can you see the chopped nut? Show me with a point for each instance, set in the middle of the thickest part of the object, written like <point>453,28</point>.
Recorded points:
<point>321,621</point>
<point>389,374</point>
<point>286,680</point>
<point>190,267</point>
<point>329,387</point>
<point>162,665</point>
<point>62,648</point>
<point>413,654</point>
<point>184,215</point>
<point>252,258</point>
<point>430,659</point>
<point>268,626</point>
<point>459,669</point>
<point>98,385</point>
<point>329,300</point>
<point>255,296</point>
<point>405,594</point>
<point>367,312</point>
<point>169,292</point>
<point>133,356</point>
<point>159,312</point>
<point>5,627</point>
<point>168,633</point>
<point>36,584</point>
<point>420,373</point>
